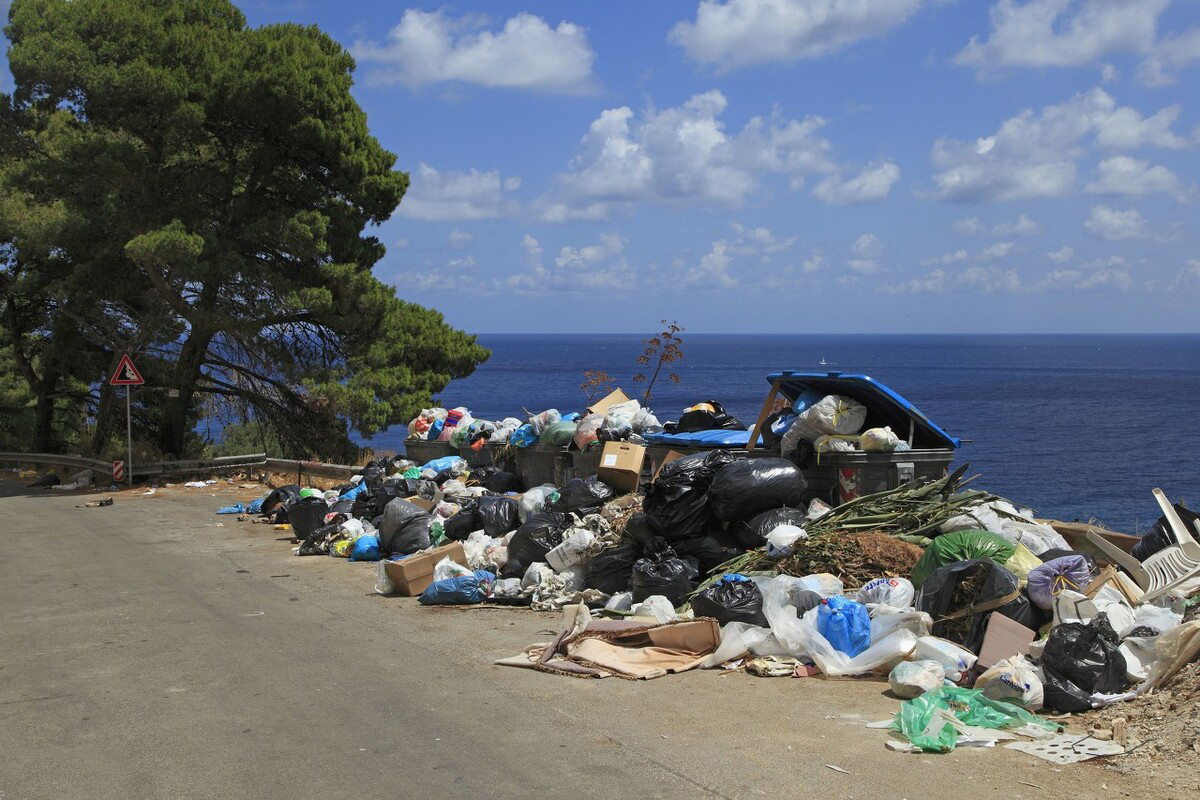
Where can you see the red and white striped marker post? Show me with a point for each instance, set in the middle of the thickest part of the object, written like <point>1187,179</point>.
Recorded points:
<point>118,471</point>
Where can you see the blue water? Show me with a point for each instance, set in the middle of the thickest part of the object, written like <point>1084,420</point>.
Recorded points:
<point>1077,427</point>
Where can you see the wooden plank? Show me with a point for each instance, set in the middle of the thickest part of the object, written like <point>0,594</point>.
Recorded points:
<point>762,416</point>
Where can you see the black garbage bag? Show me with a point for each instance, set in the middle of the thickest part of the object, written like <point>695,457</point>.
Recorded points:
<point>385,493</point>
<point>540,534</point>
<point>980,588</point>
<point>752,485</point>
<point>704,420</point>
<point>639,530</point>
<point>1079,661</point>
<point>306,515</point>
<point>663,572</point>
<point>403,528</point>
<point>373,475</point>
<point>46,481</point>
<point>317,542</point>
<point>676,504</point>
<point>583,496</point>
<point>280,498</point>
<point>709,552</point>
<point>753,533</point>
<point>495,479</point>
<point>498,515</point>
<point>609,570</point>
<point>734,598</point>
<point>345,507</point>
<point>1160,536</point>
<point>459,527</point>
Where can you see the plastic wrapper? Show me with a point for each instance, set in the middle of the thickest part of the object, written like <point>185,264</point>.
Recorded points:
<point>1079,661</point>
<point>523,436</point>
<point>1005,519</point>
<point>831,415</point>
<point>572,551</point>
<point>1048,580</point>
<point>663,573</point>
<point>894,592</point>
<point>558,434</point>
<point>676,504</point>
<point>459,591</point>
<point>535,501</point>
<point>447,568</point>
<point>583,496</point>
<point>544,420</point>
<point>967,585</point>
<point>918,718</point>
<point>734,598</point>
<point>910,679</point>
<point>1022,562</point>
<point>750,486</point>
<point>533,540</point>
<point>845,624</point>
<point>610,569</point>
<point>645,422</point>
<point>833,444</point>
<point>878,440</point>
<point>961,546</point>
<point>404,528</point>
<point>782,541</point>
<point>955,659</point>
<point>1013,680</point>
<point>536,574</point>
<point>587,431</point>
<point>753,533</point>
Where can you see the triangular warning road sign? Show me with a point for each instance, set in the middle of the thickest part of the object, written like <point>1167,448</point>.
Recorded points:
<point>126,374</point>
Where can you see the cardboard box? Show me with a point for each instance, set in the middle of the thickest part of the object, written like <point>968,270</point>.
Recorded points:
<point>671,455</point>
<point>615,397</point>
<point>414,574</point>
<point>621,466</point>
<point>427,505</point>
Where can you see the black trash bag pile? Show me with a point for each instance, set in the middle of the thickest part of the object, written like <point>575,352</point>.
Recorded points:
<point>639,530</point>
<point>495,479</point>
<point>275,504</point>
<point>734,598</point>
<point>610,570</point>
<point>495,516</point>
<point>704,420</point>
<point>540,534</point>
<point>583,496</point>
<point>977,587</point>
<point>662,572</point>
<point>752,485</point>
<point>403,528</point>
<point>306,515</point>
<point>1079,661</point>
<point>677,504</point>
<point>709,552</point>
<point>753,533</point>
<point>317,543</point>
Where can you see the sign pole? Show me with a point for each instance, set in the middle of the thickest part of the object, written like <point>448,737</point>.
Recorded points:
<point>129,432</point>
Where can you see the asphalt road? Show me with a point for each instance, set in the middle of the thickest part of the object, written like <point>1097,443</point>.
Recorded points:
<point>147,653</point>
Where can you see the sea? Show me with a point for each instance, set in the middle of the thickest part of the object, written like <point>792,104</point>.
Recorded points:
<point>1077,427</point>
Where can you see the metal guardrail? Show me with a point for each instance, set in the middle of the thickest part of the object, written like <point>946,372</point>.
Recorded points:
<point>139,470</point>
<point>315,468</point>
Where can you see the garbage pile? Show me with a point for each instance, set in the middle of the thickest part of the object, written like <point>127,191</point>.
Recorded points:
<point>616,418</point>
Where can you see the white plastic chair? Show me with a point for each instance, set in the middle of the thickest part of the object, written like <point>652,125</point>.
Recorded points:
<point>1166,569</point>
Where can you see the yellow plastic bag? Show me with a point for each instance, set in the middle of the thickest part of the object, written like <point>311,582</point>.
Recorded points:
<point>1022,562</point>
<point>341,548</point>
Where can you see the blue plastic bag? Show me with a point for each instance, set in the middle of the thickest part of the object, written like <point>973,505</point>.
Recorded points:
<point>572,417</point>
<point>441,464</point>
<point>845,623</point>
<point>435,430</point>
<point>365,548</point>
<point>255,506</point>
<point>523,436</point>
<point>234,509</point>
<point>354,491</point>
<point>461,591</point>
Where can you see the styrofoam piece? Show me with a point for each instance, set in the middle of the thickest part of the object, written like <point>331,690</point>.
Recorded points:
<point>1067,748</point>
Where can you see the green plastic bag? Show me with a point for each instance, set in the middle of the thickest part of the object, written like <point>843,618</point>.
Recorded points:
<point>558,434</point>
<point>920,719</point>
<point>961,546</point>
<point>412,473</point>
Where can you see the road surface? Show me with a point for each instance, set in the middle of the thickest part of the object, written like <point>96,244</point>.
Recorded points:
<point>146,652</point>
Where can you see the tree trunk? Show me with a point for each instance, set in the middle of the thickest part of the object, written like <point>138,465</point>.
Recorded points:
<point>105,412</point>
<point>43,426</point>
<point>172,436</point>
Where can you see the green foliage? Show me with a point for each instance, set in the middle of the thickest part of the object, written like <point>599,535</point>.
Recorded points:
<point>245,438</point>
<point>198,192</point>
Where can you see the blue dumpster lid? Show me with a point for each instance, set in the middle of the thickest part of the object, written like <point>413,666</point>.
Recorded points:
<point>884,405</point>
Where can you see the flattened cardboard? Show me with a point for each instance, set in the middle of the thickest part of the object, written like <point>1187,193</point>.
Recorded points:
<point>1004,638</point>
<point>667,459</point>
<point>615,397</point>
<point>414,574</point>
<point>426,505</point>
<point>621,466</point>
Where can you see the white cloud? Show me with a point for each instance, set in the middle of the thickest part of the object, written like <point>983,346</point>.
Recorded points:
<point>1122,175</point>
<point>713,268</point>
<point>741,33</point>
<point>758,242</point>
<point>986,280</point>
<point>1023,225</point>
<point>997,251</point>
<point>866,250</point>
<point>869,186</point>
<point>459,239</point>
<point>1075,280</point>
<point>1063,33</point>
<point>400,243</point>
<point>681,156</point>
<point>442,196</point>
<point>1034,154</point>
<point>1061,256</point>
<point>1170,55</point>
<point>1114,224</point>
<point>970,226</point>
<point>1189,276</point>
<point>813,263</point>
<point>948,258</point>
<point>431,47</point>
<point>594,267</point>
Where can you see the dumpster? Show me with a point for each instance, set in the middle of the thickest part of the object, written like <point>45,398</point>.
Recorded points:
<point>856,474</point>
<point>540,464</point>
<point>586,463</point>
<point>491,454</point>
<point>422,451</point>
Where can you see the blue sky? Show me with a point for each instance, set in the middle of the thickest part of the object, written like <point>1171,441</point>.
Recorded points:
<point>787,165</point>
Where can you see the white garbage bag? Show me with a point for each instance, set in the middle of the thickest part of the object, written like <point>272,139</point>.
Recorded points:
<point>910,679</point>
<point>1012,680</point>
